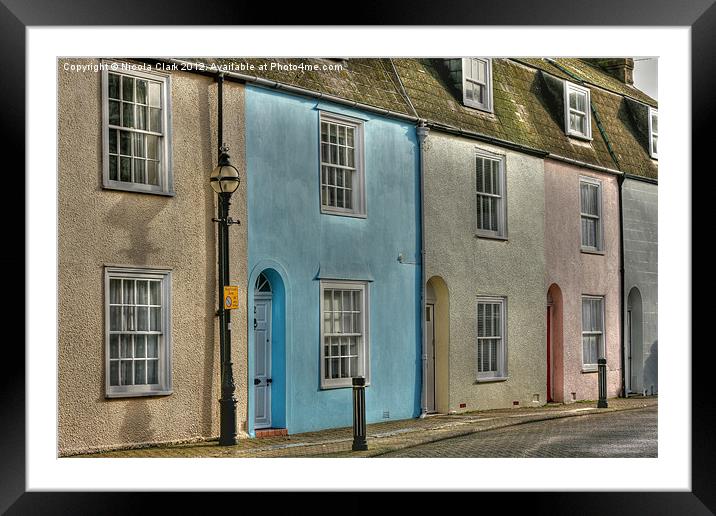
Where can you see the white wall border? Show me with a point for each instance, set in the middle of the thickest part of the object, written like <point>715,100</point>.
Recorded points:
<point>671,471</point>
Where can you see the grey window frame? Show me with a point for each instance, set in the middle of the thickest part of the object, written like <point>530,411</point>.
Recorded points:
<point>601,346</point>
<point>653,112</point>
<point>599,249</point>
<point>166,176</point>
<point>164,387</point>
<point>488,105</point>
<point>588,114</point>
<point>337,383</point>
<point>359,209</point>
<point>501,232</point>
<point>502,347</point>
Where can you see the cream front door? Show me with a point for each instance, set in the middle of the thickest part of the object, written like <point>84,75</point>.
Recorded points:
<point>430,351</point>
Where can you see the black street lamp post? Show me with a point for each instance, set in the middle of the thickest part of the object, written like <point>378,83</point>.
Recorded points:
<point>225,180</point>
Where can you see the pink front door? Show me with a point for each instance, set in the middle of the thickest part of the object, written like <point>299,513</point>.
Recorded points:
<point>549,354</point>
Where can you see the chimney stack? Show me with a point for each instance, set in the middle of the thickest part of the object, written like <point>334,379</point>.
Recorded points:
<point>620,67</point>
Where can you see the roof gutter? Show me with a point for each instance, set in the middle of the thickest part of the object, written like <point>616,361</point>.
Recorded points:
<point>266,83</point>
<point>489,139</point>
<point>641,178</point>
<point>583,164</point>
<point>521,148</point>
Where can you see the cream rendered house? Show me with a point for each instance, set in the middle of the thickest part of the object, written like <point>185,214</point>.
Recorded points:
<point>138,359</point>
<point>484,236</point>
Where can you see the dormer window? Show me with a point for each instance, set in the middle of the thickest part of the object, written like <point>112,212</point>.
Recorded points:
<point>653,131</point>
<point>576,111</point>
<point>477,83</point>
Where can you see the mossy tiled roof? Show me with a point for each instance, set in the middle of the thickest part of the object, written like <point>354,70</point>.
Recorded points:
<point>529,111</point>
<point>366,81</point>
<point>528,101</point>
<point>589,72</point>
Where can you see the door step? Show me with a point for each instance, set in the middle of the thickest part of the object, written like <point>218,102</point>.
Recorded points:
<point>271,432</point>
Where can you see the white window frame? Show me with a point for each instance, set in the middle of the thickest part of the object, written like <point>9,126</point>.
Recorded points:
<point>601,346</point>
<point>358,181</point>
<point>568,87</point>
<point>599,249</point>
<point>652,133</point>
<point>166,178</point>
<point>488,105</point>
<point>501,373</point>
<point>501,232</point>
<point>334,383</point>
<point>164,386</point>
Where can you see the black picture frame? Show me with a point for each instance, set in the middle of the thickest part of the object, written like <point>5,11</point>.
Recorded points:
<point>17,15</point>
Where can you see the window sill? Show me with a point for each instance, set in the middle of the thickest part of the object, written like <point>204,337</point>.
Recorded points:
<point>170,193</point>
<point>488,111</point>
<point>492,380</point>
<point>138,394</point>
<point>581,137</point>
<point>348,385</point>
<point>593,251</point>
<point>344,214</point>
<point>491,237</point>
<point>589,370</point>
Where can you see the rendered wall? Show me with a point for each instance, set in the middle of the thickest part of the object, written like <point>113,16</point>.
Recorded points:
<point>97,227</point>
<point>472,267</point>
<point>289,234</point>
<point>640,227</point>
<point>577,273</point>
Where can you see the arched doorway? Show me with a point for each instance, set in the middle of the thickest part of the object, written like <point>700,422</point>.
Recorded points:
<point>262,352</point>
<point>268,364</point>
<point>555,348</point>
<point>437,334</point>
<point>634,347</point>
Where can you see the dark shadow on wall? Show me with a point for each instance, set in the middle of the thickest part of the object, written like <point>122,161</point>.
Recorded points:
<point>130,217</point>
<point>651,370</point>
<point>136,426</point>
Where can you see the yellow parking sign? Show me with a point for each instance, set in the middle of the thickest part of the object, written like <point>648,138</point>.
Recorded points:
<point>231,297</point>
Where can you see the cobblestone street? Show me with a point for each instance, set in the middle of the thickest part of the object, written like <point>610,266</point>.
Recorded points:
<point>630,433</point>
<point>393,436</point>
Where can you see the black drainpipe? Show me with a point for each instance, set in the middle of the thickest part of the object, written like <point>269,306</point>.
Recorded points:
<point>620,181</point>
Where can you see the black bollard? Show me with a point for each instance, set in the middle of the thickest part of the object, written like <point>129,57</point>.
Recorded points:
<point>602,368</point>
<point>359,437</point>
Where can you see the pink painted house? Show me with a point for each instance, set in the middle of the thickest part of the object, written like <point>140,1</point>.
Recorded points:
<point>582,279</point>
<point>589,116</point>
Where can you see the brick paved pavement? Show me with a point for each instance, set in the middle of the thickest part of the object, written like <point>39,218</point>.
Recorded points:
<point>382,437</point>
<point>631,433</point>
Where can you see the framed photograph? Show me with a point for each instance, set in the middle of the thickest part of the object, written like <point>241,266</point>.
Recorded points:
<point>97,89</point>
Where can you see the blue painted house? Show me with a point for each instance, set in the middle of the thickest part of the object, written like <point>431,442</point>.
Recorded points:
<point>334,247</point>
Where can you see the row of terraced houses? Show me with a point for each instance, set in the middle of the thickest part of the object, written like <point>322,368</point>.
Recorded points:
<point>465,233</point>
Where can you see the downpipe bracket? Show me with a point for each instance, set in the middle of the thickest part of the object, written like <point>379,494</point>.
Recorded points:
<point>228,221</point>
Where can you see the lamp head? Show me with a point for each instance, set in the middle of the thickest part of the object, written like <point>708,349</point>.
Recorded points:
<point>225,177</point>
